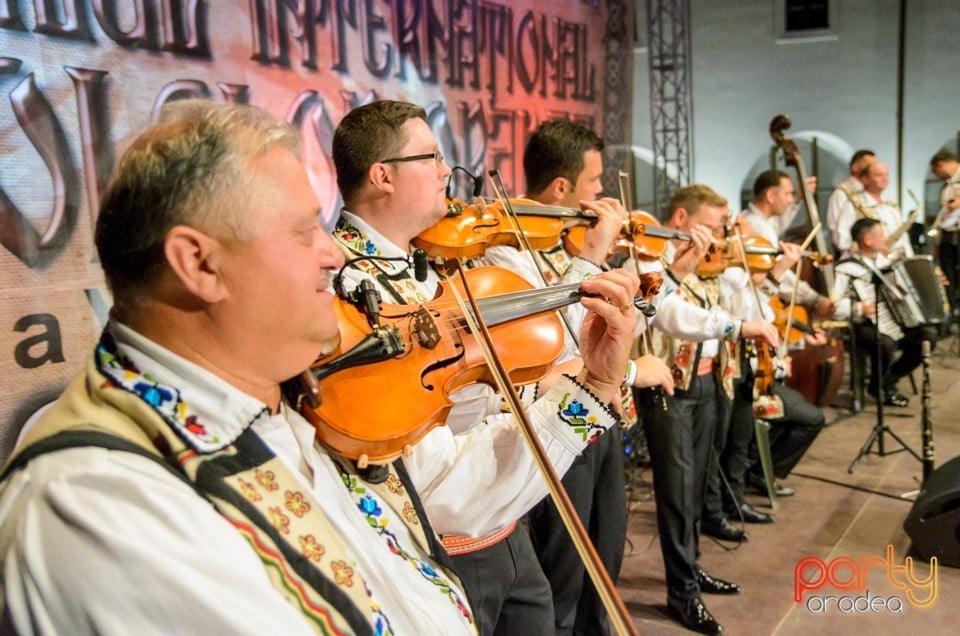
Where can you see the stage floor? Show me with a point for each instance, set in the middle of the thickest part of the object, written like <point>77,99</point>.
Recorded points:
<point>834,515</point>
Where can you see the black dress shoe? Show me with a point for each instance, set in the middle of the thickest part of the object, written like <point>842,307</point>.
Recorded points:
<point>711,585</point>
<point>749,514</point>
<point>893,397</point>
<point>756,483</point>
<point>694,615</point>
<point>722,529</point>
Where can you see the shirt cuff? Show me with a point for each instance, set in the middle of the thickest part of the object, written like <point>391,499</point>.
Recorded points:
<point>577,417</point>
<point>732,329</point>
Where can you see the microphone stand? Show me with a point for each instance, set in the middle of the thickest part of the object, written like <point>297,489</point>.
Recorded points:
<point>876,434</point>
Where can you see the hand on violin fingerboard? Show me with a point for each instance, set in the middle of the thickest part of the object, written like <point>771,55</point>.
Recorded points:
<point>599,239</point>
<point>689,254</point>
<point>608,331</point>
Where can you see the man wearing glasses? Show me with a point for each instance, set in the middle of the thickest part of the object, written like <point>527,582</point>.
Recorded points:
<point>392,178</point>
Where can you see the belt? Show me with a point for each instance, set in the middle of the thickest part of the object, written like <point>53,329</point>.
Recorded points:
<point>705,367</point>
<point>462,544</point>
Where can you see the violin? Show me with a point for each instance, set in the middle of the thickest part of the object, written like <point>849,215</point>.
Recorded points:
<point>719,256</point>
<point>762,255</point>
<point>642,237</point>
<point>798,321</point>
<point>423,354</point>
<point>468,229</point>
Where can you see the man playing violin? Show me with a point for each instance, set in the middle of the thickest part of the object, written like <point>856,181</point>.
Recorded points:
<point>795,422</point>
<point>695,334</point>
<point>563,166</point>
<point>773,194</point>
<point>173,489</point>
<point>392,179</point>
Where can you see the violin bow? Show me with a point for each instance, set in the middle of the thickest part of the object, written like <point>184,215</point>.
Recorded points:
<point>619,616</point>
<point>793,298</point>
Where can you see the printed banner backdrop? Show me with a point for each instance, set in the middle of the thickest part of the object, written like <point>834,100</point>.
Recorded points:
<point>81,79</point>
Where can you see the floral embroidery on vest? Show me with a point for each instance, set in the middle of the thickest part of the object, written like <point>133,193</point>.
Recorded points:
<point>267,479</point>
<point>371,509</point>
<point>295,503</point>
<point>310,548</point>
<point>394,484</point>
<point>554,263</point>
<point>178,432</point>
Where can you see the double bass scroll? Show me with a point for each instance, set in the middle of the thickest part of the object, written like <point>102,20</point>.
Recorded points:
<point>792,157</point>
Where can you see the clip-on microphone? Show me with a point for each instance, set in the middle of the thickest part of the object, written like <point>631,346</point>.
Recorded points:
<point>477,181</point>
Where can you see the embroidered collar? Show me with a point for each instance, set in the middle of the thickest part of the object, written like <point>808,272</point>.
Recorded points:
<point>206,412</point>
<point>362,240</point>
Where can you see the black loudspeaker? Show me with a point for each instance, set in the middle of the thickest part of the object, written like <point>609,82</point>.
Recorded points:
<point>933,524</point>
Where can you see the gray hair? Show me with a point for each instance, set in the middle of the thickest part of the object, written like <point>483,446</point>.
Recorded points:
<point>188,169</point>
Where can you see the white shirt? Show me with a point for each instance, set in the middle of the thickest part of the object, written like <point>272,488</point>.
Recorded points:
<point>841,214</point>
<point>856,281</point>
<point>158,559</point>
<point>789,283</point>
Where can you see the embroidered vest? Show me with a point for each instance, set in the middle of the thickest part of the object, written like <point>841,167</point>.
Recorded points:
<point>683,357</point>
<point>254,491</point>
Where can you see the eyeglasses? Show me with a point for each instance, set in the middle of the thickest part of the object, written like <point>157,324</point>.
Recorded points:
<point>435,155</point>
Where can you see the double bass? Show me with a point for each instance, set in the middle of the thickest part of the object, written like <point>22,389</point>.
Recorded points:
<point>817,369</point>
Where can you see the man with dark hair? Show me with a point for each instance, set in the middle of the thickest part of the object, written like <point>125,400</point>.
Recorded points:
<point>772,195</point>
<point>856,278</point>
<point>400,192</point>
<point>844,200</point>
<point>944,164</point>
<point>174,490</point>
<point>563,168</point>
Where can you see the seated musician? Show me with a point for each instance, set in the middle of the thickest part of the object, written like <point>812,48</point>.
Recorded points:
<point>173,490</point>
<point>392,182</point>
<point>855,278</point>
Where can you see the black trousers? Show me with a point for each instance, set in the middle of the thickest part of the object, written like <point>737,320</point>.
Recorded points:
<point>725,486</point>
<point>791,435</point>
<point>893,368</point>
<point>595,484</point>
<point>680,439</point>
<point>507,590</point>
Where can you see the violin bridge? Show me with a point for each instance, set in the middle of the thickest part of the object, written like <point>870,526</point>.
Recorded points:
<point>424,325</point>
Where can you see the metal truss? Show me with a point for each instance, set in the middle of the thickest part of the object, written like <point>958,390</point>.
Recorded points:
<point>671,103</point>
